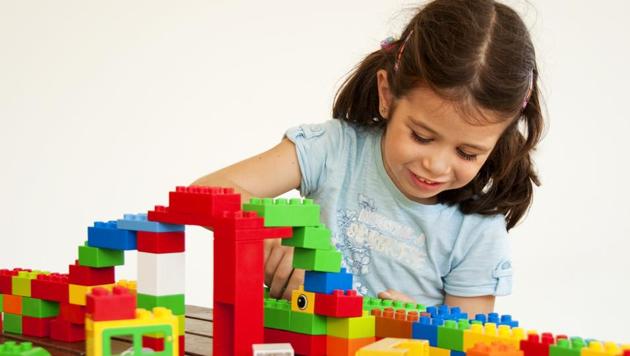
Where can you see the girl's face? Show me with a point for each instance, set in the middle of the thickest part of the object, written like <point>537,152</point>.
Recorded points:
<point>428,147</point>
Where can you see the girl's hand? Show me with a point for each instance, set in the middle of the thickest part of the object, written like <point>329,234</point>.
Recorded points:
<point>395,295</point>
<point>280,276</point>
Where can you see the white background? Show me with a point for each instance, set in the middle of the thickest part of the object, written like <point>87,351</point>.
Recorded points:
<point>106,106</point>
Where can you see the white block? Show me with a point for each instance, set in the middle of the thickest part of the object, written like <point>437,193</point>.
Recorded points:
<point>161,274</point>
<point>272,350</point>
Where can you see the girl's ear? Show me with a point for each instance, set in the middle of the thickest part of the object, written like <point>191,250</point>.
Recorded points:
<point>384,93</point>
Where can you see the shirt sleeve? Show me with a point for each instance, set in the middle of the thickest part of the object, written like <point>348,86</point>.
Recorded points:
<point>484,266</point>
<point>317,147</point>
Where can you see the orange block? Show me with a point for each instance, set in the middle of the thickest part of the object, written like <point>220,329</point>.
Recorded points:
<point>12,304</point>
<point>397,324</point>
<point>337,346</point>
<point>496,349</point>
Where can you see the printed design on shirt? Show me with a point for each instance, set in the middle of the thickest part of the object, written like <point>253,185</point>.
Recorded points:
<point>367,231</point>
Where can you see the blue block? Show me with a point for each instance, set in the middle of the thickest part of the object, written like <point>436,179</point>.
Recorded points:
<point>457,353</point>
<point>106,235</point>
<point>327,282</point>
<point>505,319</point>
<point>139,222</point>
<point>426,329</point>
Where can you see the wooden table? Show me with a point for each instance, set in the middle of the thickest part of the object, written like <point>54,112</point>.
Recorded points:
<point>198,337</point>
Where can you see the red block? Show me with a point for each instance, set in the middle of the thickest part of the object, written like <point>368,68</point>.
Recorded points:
<point>5,279</point>
<point>240,226</point>
<point>242,258</point>
<point>90,276</point>
<point>65,331</point>
<point>39,327</point>
<point>154,343</point>
<point>338,304</point>
<point>182,345</point>
<point>204,200</point>
<point>313,345</point>
<point>118,305</point>
<point>72,313</point>
<point>52,287</point>
<point>536,345</point>
<point>161,242</point>
<point>166,215</point>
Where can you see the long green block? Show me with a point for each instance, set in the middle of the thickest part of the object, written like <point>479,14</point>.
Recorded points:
<point>450,336</point>
<point>352,328</point>
<point>175,302</point>
<point>12,323</point>
<point>564,347</point>
<point>370,303</point>
<point>21,284</point>
<point>277,314</point>
<point>306,323</point>
<point>317,260</point>
<point>313,237</point>
<point>11,348</point>
<point>100,257</point>
<point>283,212</point>
<point>39,308</point>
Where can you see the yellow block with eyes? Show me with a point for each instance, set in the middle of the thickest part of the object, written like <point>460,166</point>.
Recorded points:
<point>303,301</point>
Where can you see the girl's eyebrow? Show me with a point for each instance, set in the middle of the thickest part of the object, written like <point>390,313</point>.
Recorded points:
<point>424,126</point>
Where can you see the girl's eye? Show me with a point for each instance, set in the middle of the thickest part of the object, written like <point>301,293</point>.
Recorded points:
<point>420,138</point>
<point>466,156</point>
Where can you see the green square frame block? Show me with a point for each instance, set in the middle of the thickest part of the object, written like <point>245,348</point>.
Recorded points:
<point>100,257</point>
<point>317,260</point>
<point>277,314</point>
<point>310,324</point>
<point>12,323</point>
<point>21,284</point>
<point>283,212</point>
<point>24,348</point>
<point>450,336</point>
<point>137,332</point>
<point>39,308</point>
<point>352,328</point>
<point>175,302</point>
<point>313,237</point>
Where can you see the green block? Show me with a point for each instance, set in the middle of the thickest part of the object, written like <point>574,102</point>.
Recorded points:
<point>137,332</point>
<point>11,348</point>
<point>21,284</point>
<point>39,308</point>
<point>277,314</point>
<point>352,328</point>
<point>450,336</point>
<point>313,237</point>
<point>1,303</point>
<point>305,323</point>
<point>370,303</point>
<point>100,257</point>
<point>12,323</point>
<point>564,347</point>
<point>173,302</point>
<point>317,260</point>
<point>283,212</point>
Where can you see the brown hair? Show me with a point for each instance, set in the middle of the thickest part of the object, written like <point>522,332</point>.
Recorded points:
<point>478,54</point>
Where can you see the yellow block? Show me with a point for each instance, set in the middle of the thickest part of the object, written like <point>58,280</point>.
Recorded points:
<point>78,293</point>
<point>131,285</point>
<point>160,317</point>
<point>396,347</point>
<point>303,301</point>
<point>596,348</point>
<point>438,351</point>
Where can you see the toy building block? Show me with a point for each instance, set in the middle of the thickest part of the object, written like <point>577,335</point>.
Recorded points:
<point>78,293</point>
<point>327,282</point>
<point>313,237</point>
<point>317,260</point>
<point>39,308</point>
<point>161,242</point>
<point>100,257</point>
<point>370,303</point>
<point>103,305</point>
<point>537,345</point>
<point>175,303</point>
<point>305,323</point>
<point>139,222</point>
<point>107,235</point>
<point>283,212</point>
<point>161,274</point>
<point>436,351</point>
<point>1,304</point>
<point>314,345</point>
<point>21,283</point>
<point>12,323</point>
<point>247,225</point>
<point>445,312</point>
<point>337,346</point>
<point>63,330</point>
<point>6,279</point>
<point>565,347</point>
<point>495,349</point>
<point>238,258</point>
<point>153,343</point>
<point>426,329</point>
<point>339,304</point>
<point>488,334</point>
<point>11,348</point>
<point>395,324</point>
<point>272,350</point>
<point>72,313</point>
<point>396,347</point>
<point>303,301</point>
<point>90,276</point>
<point>451,334</point>
<point>497,319</point>
<point>53,287</point>
<point>132,286</point>
<point>12,304</point>
<point>352,328</point>
<point>38,327</point>
<point>277,314</point>
<point>597,348</point>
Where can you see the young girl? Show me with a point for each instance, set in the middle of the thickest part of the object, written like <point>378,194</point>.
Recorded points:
<point>425,165</point>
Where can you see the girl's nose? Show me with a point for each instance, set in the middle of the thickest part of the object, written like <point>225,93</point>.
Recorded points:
<point>437,164</point>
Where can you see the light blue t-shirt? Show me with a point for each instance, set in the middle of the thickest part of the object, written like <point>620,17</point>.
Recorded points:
<point>388,240</point>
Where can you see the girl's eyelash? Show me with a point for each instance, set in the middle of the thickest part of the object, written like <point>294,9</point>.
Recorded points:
<point>420,138</point>
<point>462,154</point>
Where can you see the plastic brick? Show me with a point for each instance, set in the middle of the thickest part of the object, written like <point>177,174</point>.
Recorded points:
<point>39,308</point>
<point>139,222</point>
<point>327,282</point>
<point>100,257</point>
<point>313,237</point>
<point>283,212</point>
<point>317,260</point>
<point>107,235</point>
